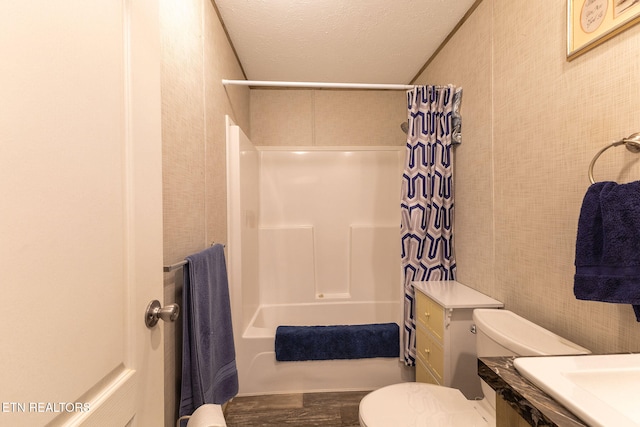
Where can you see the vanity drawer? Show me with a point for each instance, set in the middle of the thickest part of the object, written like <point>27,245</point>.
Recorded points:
<point>430,353</point>
<point>445,347</point>
<point>423,374</point>
<point>430,314</point>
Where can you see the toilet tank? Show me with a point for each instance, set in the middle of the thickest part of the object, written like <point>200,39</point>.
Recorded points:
<point>504,333</point>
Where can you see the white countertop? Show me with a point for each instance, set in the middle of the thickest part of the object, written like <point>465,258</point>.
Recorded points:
<point>452,294</point>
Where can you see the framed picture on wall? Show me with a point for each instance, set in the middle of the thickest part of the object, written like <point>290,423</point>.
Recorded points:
<point>591,22</point>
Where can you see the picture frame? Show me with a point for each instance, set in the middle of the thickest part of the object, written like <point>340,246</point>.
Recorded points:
<point>591,22</point>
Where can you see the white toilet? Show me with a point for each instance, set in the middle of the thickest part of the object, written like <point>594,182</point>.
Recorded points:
<point>498,333</point>
<point>207,415</point>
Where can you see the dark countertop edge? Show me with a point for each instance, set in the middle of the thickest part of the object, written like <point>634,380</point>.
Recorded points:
<point>535,406</point>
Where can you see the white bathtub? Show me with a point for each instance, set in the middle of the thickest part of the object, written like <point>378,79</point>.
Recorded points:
<point>260,373</point>
<point>294,262</point>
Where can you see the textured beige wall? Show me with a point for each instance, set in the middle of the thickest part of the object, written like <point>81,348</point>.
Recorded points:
<point>327,117</point>
<point>466,62</point>
<point>196,56</point>
<point>532,122</point>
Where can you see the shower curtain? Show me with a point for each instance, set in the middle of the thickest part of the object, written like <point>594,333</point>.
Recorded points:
<point>427,195</point>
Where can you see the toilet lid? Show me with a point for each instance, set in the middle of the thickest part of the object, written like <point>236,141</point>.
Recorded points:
<point>418,404</point>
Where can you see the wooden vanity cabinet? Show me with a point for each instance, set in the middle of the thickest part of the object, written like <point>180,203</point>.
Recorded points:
<point>506,416</point>
<point>445,336</point>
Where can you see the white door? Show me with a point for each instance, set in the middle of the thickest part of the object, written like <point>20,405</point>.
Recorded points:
<point>80,213</point>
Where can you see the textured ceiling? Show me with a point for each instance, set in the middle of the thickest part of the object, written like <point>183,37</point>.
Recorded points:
<point>355,41</point>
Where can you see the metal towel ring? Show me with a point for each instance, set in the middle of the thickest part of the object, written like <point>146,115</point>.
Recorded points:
<point>632,142</point>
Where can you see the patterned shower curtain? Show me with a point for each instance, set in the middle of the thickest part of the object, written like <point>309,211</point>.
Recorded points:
<point>427,195</point>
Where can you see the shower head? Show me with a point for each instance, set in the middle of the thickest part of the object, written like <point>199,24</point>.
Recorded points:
<point>405,127</point>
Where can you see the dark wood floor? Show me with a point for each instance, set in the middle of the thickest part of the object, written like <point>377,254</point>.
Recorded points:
<point>297,410</point>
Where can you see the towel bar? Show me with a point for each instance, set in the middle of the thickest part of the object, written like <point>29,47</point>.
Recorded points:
<point>632,142</point>
<point>177,265</point>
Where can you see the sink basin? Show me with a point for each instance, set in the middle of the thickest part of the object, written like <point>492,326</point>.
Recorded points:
<point>602,390</point>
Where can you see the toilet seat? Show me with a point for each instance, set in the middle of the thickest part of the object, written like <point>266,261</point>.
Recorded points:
<point>420,404</point>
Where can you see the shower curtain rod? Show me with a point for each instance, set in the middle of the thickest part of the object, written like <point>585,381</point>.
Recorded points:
<point>319,85</point>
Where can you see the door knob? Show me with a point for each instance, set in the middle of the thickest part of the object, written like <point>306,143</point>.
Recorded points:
<point>155,312</point>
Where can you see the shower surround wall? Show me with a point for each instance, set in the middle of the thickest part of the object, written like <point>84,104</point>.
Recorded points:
<point>325,221</point>
<point>329,224</point>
